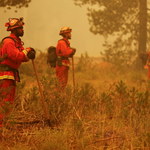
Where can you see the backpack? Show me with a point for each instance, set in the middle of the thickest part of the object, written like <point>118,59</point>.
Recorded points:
<point>2,58</point>
<point>51,56</point>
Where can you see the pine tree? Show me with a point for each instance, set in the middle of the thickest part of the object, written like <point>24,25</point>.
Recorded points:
<point>125,20</point>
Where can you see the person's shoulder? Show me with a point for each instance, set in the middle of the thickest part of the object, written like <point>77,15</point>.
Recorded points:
<point>61,41</point>
<point>7,40</point>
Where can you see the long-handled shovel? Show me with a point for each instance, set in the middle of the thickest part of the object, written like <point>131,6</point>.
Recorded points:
<point>73,76</point>
<point>44,106</point>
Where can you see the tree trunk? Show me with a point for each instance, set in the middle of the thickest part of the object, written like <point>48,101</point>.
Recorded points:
<point>142,29</point>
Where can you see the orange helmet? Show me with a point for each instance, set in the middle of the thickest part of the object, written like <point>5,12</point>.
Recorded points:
<point>14,23</point>
<point>64,30</point>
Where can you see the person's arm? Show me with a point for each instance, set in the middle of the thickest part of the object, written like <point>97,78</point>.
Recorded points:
<point>13,53</point>
<point>63,49</point>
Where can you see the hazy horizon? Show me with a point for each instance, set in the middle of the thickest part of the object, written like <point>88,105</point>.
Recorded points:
<point>44,20</point>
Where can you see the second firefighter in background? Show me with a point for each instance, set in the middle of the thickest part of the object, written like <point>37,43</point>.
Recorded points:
<point>64,51</point>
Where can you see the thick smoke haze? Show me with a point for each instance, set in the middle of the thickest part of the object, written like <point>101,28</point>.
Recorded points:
<point>43,20</point>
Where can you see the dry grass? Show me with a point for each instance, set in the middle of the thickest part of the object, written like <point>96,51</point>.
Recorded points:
<point>109,110</point>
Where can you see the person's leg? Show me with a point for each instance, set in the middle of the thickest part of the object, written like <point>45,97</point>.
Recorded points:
<point>7,92</point>
<point>62,76</point>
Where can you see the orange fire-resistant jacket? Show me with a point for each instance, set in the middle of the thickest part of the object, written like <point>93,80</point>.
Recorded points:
<point>63,49</point>
<point>15,56</point>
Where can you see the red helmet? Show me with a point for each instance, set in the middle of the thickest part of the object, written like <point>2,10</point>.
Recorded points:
<point>14,23</point>
<point>64,30</point>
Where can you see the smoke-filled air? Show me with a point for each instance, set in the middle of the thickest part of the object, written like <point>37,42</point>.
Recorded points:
<point>74,75</point>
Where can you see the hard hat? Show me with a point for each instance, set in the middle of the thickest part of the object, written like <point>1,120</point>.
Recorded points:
<point>14,23</point>
<point>64,30</point>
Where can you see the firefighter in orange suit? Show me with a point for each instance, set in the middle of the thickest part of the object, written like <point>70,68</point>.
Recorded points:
<point>12,54</point>
<point>63,51</point>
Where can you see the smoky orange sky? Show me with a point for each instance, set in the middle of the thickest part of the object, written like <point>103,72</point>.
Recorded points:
<point>43,20</point>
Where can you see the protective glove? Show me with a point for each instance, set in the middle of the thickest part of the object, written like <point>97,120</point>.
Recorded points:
<point>73,52</point>
<point>31,53</point>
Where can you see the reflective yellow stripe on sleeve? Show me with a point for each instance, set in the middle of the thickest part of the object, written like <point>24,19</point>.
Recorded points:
<point>7,77</point>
